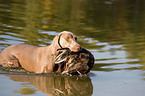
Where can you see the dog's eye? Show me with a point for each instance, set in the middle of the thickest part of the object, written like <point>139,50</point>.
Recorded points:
<point>75,38</point>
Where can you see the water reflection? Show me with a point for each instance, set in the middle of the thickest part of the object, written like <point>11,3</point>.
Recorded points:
<point>55,86</point>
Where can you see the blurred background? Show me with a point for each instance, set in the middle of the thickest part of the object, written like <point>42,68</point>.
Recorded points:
<point>112,30</point>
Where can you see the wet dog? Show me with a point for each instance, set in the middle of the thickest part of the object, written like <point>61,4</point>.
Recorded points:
<point>38,59</point>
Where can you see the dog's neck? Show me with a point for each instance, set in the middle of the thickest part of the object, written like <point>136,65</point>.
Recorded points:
<point>55,46</point>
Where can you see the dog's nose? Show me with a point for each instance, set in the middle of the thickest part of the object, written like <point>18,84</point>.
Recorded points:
<point>78,48</point>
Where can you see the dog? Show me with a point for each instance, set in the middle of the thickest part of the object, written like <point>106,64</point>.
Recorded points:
<point>75,63</point>
<point>38,59</point>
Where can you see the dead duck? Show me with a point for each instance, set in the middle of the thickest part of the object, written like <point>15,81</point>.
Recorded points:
<point>75,63</point>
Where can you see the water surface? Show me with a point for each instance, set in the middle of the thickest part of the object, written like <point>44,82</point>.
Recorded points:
<point>113,30</point>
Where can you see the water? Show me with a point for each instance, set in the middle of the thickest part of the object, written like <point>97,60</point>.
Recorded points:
<point>113,30</point>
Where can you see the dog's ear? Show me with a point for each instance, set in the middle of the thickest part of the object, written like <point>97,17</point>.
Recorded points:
<point>57,36</point>
<point>55,42</point>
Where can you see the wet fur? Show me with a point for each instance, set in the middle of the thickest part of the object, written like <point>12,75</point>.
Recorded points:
<point>37,59</point>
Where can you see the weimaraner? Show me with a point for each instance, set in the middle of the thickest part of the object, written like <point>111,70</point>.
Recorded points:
<point>38,59</point>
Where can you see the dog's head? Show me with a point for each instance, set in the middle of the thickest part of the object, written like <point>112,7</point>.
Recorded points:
<point>68,40</point>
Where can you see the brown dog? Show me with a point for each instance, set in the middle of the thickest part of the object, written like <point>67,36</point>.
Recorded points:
<point>38,59</point>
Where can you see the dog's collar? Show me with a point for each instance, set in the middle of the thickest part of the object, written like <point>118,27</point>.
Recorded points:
<point>61,48</point>
<point>59,42</point>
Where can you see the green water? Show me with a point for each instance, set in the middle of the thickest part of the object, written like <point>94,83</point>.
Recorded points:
<point>112,30</point>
